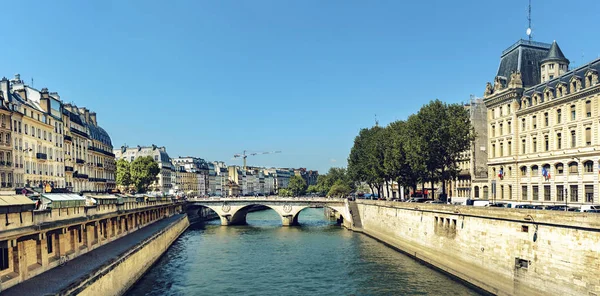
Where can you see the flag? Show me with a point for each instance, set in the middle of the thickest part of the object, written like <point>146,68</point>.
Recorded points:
<point>501,173</point>
<point>545,173</point>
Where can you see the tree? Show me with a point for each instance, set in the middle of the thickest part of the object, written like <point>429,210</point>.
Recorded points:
<point>365,163</point>
<point>123,173</point>
<point>326,181</point>
<point>339,189</point>
<point>297,185</point>
<point>312,189</point>
<point>143,172</point>
<point>285,192</point>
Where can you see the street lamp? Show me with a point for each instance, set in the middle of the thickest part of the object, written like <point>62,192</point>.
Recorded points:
<point>566,200</point>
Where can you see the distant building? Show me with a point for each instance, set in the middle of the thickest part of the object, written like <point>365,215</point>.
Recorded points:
<point>166,178</point>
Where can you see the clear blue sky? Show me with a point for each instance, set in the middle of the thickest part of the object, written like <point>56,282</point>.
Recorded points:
<point>212,78</point>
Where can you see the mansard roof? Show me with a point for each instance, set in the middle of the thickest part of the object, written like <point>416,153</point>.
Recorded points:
<point>565,78</point>
<point>525,57</point>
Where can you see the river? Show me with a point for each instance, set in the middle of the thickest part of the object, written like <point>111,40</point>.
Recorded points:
<point>264,258</point>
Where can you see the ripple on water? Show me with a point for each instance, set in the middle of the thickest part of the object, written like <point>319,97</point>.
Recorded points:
<point>264,258</point>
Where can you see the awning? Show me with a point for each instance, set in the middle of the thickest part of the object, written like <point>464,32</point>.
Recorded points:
<point>63,197</point>
<point>15,200</point>
<point>103,196</point>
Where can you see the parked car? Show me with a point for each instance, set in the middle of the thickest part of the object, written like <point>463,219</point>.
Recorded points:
<point>531,207</point>
<point>498,205</point>
<point>435,202</point>
<point>593,211</point>
<point>418,200</point>
<point>478,202</point>
<point>587,208</point>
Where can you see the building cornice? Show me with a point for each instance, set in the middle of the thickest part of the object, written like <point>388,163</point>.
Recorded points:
<point>509,94</point>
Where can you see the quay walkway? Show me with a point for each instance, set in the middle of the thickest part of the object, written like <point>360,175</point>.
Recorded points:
<point>57,279</point>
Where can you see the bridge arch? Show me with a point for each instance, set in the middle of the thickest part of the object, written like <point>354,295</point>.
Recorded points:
<point>344,217</point>
<point>238,217</point>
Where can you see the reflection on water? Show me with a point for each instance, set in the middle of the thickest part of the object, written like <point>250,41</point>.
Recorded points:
<point>264,258</point>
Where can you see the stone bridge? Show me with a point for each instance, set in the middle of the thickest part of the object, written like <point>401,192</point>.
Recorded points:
<point>232,211</point>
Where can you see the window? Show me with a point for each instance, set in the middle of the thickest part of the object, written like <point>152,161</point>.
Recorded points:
<point>547,192</point>
<point>558,116</point>
<point>485,192</point>
<point>523,124</point>
<point>589,193</point>
<point>551,76</point>
<point>501,191</point>
<point>551,66</point>
<point>588,166</point>
<point>536,192</point>
<point>508,109</point>
<point>493,150</point>
<point>523,171</point>
<point>560,193</point>
<point>574,193</point>
<point>588,109</point>
<point>4,263</point>
<point>501,129</point>
<point>501,149</point>
<point>509,148</point>
<point>534,144</point>
<point>523,146</point>
<point>573,139</point>
<point>534,171</point>
<point>573,113</point>
<point>588,136</point>
<point>573,168</point>
<point>546,121</point>
<point>534,122</point>
<point>558,141</point>
<point>546,143</point>
<point>49,242</point>
<point>524,192</point>
<point>509,191</point>
<point>493,130</point>
<point>508,126</point>
<point>560,92</point>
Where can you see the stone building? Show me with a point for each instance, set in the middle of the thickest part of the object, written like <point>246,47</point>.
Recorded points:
<point>473,177</point>
<point>543,127</point>
<point>41,130</point>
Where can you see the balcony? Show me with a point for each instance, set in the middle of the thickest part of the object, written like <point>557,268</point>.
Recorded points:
<point>101,180</point>
<point>68,138</point>
<point>100,165</point>
<point>83,134</point>
<point>80,176</point>
<point>68,168</point>
<point>80,161</point>
<point>41,156</point>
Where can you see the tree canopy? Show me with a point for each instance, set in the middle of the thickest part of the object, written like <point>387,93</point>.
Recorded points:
<point>123,173</point>
<point>143,171</point>
<point>424,148</point>
<point>297,185</point>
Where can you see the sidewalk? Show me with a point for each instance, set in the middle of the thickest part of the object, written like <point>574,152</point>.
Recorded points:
<point>58,278</point>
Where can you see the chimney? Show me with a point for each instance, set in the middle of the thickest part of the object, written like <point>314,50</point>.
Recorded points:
<point>45,100</point>
<point>93,118</point>
<point>5,88</point>
<point>55,95</point>
<point>86,114</point>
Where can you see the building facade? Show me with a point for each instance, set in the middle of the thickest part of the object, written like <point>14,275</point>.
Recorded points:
<point>543,127</point>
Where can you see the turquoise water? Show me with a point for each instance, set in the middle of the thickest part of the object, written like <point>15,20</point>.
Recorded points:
<point>264,258</point>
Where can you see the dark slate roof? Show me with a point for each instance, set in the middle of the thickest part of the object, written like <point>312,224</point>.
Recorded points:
<point>555,54</point>
<point>565,78</point>
<point>524,56</point>
<point>99,134</point>
<point>76,118</point>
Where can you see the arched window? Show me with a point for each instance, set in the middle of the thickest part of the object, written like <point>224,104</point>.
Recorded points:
<point>476,188</point>
<point>588,166</point>
<point>573,167</point>
<point>523,171</point>
<point>534,170</point>
<point>573,112</point>
<point>485,192</point>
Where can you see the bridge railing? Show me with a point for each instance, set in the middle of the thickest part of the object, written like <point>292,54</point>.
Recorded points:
<point>268,198</point>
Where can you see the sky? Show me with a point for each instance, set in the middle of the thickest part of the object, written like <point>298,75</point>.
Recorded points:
<point>213,78</point>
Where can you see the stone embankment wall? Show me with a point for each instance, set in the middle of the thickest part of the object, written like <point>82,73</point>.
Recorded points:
<point>118,276</point>
<point>502,251</point>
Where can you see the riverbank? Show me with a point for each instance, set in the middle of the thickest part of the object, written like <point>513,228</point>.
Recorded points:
<point>502,251</point>
<point>94,273</point>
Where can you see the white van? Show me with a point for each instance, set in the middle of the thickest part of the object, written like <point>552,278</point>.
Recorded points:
<point>585,208</point>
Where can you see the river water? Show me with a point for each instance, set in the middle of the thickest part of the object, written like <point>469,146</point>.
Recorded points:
<point>264,258</point>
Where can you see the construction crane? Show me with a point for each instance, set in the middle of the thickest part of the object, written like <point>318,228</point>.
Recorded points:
<point>246,153</point>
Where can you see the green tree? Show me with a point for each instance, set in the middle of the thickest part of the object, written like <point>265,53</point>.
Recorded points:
<point>285,192</point>
<point>297,185</point>
<point>143,172</point>
<point>339,189</point>
<point>326,181</point>
<point>312,189</point>
<point>123,173</point>
<point>366,160</point>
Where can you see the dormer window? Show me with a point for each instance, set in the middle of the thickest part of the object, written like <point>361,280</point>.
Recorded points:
<point>559,92</point>
<point>551,66</point>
